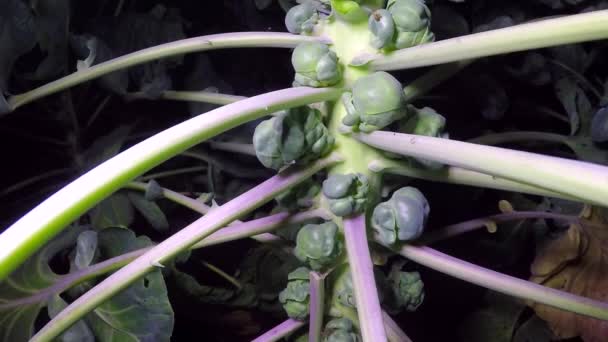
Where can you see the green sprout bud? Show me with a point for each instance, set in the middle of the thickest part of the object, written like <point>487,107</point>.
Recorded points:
<point>295,297</point>
<point>340,330</point>
<point>404,290</point>
<point>427,122</point>
<point>347,194</point>
<point>401,218</point>
<point>319,245</point>
<point>376,101</point>
<point>301,18</point>
<point>295,135</point>
<point>315,65</point>
<point>299,197</point>
<point>410,25</point>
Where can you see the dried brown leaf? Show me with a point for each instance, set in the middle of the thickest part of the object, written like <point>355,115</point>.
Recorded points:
<point>576,262</point>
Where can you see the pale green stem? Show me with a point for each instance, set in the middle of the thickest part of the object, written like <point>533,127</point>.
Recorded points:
<point>583,180</point>
<point>184,46</point>
<point>246,149</point>
<point>173,196</point>
<point>519,136</point>
<point>282,330</point>
<point>38,226</point>
<point>252,229</point>
<point>201,96</point>
<point>223,274</point>
<point>182,240</point>
<point>393,331</point>
<point>458,175</point>
<point>431,79</point>
<point>364,282</point>
<point>317,306</point>
<point>503,283</point>
<point>170,173</point>
<point>539,34</point>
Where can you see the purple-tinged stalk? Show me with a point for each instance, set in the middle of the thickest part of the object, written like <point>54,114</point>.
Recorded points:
<point>282,330</point>
<point>184,46</point>
<point>250,229</point>
<point>471,225</point>
<point>393,331</point>
<point>504,283</point>
<point>182,240</point>
<point>38,226</point>
<point>317,306</point>
<point>543,33</point>
<point>586,181</point>
<point>364,282</point>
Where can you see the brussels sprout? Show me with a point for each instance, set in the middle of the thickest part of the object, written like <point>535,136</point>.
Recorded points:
<point>295,135</point>
<point>295,297</point>
<point>315,65</point>
<point>599,126</point>
<point>301,18</point>
<point>376,101</point>
<point>405,290</point>
<point>318,245</point>
<point>300,196</point>
<point>410,25</point>
<point>427,122</point>
<point>382,27</point>
<point>402,217</point>
<point>343,285</point>
<point>347,194</point>
<point>340,330</point>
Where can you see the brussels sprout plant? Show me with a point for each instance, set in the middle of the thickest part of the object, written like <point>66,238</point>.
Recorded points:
<point>339,213</point>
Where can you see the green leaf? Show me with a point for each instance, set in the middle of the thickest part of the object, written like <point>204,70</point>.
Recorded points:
<point>86,245</point>
<point>142,311</point>
<point>17,317</point>
<point>79,332</point>
<point>574,100</point>
<point>114,211</point>
<point>494,322</point>
<point>150,210</point>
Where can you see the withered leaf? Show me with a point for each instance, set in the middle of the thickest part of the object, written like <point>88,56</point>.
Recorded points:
<point>576,262</point>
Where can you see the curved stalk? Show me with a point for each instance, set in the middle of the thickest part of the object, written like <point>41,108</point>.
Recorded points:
<point>504,283</point>
<point>364,282</point>
<point>282,330</point>
<point>458,175</point>
<point>182,240</point>
<point>520,136</point>
<point>38,226</point>
<point>201,96</point>
<point>184,46</point>
<point>252,229</point>
<point>539,34</point>
<point>586,181</point>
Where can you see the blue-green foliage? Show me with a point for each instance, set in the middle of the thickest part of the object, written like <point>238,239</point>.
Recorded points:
<point>296,296</point>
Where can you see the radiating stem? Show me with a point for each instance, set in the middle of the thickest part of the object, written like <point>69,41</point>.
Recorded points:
<point>28,234</point>
<point>470,225</point>
<point>282,330</point>
<point>170,173</point>
<point>458,175</point>
<point>252,229</point>
<point>520,136</point>
<point>539,34</point>
<point>246,149</point>
<point>184,46</point>
<point>182,240</point>
<point>222,274</point>
<point>393,331</point>
<point>201,96</point>
<point>364,282</point>
<point>317,306</point>
<point>503,283</point>
<point>586,181</point>
<point>431,79</point>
